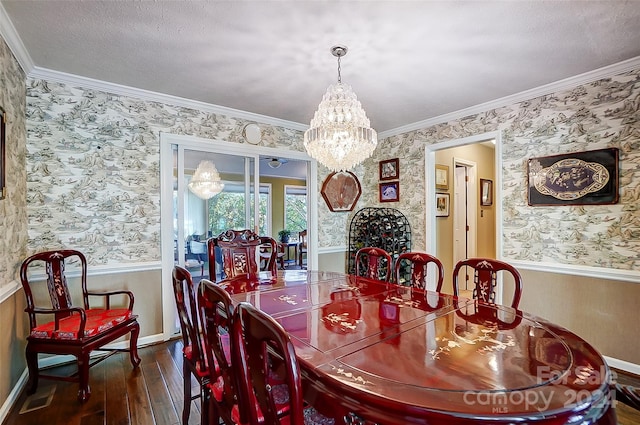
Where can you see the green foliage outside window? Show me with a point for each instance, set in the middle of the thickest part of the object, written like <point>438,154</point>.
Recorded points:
<point>295,213</point>
<point>226,211</point>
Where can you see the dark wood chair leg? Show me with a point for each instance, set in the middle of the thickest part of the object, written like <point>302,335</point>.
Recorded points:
<point>204,402</point>
<point>186,409</point>
<point>133,345</point>
<point>32,364</point>
<point>84,391</point>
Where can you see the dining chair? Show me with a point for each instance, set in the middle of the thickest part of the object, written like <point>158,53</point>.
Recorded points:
<point>485,273</point>
<point>374,263</point>
<point>216,313</point>
<point>261,344</point>
<point>271,252</point>
<point>74,330</point>
<point>194,359</point>
<point>411,270</point>
<point>302,246</point>
<point>239,251</point>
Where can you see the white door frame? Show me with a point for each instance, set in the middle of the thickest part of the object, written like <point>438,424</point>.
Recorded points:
<point>430,186</point>
<point>166,203</point>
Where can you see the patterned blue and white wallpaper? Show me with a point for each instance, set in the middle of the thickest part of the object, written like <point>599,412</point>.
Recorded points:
<point>93,168</point>
<point>93,171</point>
<point>602,114</point>
<point>13,209</point>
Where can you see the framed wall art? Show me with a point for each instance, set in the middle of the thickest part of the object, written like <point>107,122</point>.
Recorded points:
<point>389,192</point>
<point>390,169</point>
<point>341,191</point>
<point>442,177</point>
<point>486,192</point>
<point>442,205</point>
<point>580,178</point>
<point>3,166</point>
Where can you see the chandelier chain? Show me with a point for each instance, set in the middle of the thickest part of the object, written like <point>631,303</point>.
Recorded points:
<point>339,76</point>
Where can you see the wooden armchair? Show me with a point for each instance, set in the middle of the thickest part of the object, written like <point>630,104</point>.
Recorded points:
<point>62,328</point>
<point>239,251</point>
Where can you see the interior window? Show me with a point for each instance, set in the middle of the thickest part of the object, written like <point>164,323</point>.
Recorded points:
<point>226,210</point>
<point>295,209</point>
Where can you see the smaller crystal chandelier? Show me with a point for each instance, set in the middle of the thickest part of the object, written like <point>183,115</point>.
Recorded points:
<point>206,183</point>
<point>340,136</point>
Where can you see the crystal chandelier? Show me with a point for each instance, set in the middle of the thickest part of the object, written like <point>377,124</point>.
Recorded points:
<point>205,182</point>
<point>340,136</point>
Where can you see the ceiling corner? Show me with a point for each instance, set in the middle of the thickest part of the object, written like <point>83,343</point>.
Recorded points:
<point>13,40</point>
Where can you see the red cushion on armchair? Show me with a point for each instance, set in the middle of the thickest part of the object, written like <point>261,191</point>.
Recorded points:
<point>98,320</point>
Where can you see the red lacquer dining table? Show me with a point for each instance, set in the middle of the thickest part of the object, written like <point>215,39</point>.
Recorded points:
<point>378,353</point>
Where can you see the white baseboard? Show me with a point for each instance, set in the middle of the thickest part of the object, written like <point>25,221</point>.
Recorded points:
<point>623,365</point>
<point>61,359</point>
<point>13,396</point>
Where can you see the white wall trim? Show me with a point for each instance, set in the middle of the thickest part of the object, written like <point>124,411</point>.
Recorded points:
<point>623,365</point>
<point>567,83</point>
<point>333,249</point>
<point>13,40</point>
<point>576,270</point>
<point>109,269</point>
<point>8,290</point>
<point>151,96</point>
<point>14,286</point>
<point>13,396</point>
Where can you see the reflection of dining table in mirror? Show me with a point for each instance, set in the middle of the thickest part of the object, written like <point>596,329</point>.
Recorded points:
<point>422,357</point>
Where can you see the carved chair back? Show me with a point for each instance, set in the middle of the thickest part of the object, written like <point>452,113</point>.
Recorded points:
<point>485,277</point>
<point>411,270</point>
<point>374,263</point>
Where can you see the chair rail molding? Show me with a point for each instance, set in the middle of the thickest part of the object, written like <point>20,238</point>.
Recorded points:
<point>632,276</point>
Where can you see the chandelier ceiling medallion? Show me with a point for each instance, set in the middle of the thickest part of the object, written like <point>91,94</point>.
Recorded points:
<point>340,136</point>
<point>206,183</point>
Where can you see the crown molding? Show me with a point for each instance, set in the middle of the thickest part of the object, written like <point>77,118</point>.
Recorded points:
<point>567,83</point>
<point>151,96</point>
<point>13,40</point>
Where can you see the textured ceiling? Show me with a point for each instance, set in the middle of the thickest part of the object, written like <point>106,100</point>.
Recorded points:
<point>408,60</point>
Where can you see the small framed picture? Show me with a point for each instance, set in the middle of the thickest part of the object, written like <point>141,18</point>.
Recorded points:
<point>442,177</point>
<point>390,192</point>
<point>390,169</point>
<point>442,205</point>
<point>486,192</point>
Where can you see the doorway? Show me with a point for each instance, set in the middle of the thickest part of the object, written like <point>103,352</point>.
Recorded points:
<point>469,229</point>
<point>188,221</point>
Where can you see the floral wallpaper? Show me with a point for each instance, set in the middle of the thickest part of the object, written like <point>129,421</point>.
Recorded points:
<point>93,171</point>
<point>602,114</point>
<point>13,224</point>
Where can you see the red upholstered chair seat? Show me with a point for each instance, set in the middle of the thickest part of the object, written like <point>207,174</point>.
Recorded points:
<point>98,321</point>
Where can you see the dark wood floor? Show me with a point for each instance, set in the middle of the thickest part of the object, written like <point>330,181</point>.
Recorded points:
<point>150,395</point>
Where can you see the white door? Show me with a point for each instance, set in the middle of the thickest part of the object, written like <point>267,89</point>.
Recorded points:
<point>465,200</point>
